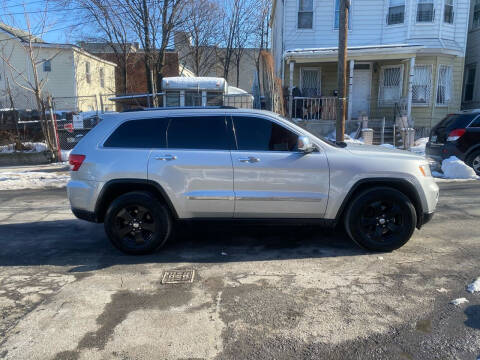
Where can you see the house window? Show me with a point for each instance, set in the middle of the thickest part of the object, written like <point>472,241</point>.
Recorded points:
<point>88,76</point>
<point>425,11</point>
<point>102,78</point>
<point>337,15</point>
<point>444,84</point>
<point>311,82</point>
<point>390,90</point>
<point>469,83</point>
<point>476,14</point>
<point>422,85</point>
<point>448,12</point>
<point>305,14</point>
<point>47,66</point>
<point>396,12</point>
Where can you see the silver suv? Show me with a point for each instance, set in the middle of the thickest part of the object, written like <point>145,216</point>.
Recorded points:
<point>142,172</point>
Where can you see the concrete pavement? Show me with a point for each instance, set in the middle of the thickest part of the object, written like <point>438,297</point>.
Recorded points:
<point>259,293</point>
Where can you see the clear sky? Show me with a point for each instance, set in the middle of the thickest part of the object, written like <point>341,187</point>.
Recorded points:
<point>59,20</point>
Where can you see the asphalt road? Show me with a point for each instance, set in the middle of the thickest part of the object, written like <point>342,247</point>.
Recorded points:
<point>258,293</point>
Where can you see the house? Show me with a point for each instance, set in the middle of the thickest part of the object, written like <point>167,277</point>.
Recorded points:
<point>212,59</point>
<point>134,79</point>
<point>471,81</point>
<point>406,57</point>
<point>76,79</point>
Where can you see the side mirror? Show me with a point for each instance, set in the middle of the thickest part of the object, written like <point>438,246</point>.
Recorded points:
<point>304,144</point>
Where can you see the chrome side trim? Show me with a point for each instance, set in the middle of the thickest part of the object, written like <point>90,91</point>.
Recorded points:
<point>280,196</point>
<point>210,195</point>
<point>299,199</point>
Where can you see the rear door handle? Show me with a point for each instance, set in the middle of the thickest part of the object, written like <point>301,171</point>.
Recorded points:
<point>166,158</point>
<point>250,159</point>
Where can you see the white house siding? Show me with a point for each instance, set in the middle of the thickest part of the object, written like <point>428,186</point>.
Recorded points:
<point>369,25</point>
<point>443,44</point>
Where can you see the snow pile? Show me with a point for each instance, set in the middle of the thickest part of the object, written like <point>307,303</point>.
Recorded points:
<point>458,301</point>
<point>349,139</point>
<point>65,154</point>
<point>419,146</point>
<point>388,146</point>
<point>15,180</point>
<point>454,168</point>
<point>29,147</point>
<point>474,287</point>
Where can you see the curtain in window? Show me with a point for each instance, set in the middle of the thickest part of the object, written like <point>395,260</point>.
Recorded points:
<point>422,84</point>
<point>305,14</point>
<point>310,83</point>
<point>448,12</point>
<point>396,12</point>
<point>390,85</point>
<point>425,11</point>
<point>444,84</point>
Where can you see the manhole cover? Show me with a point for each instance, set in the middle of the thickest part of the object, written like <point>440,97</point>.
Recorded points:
<point>178,276</point>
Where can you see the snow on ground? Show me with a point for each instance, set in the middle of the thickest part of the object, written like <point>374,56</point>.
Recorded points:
<point>33,178</point>
<point>474,286</point>
<point>454,168</point>
<point>65,154</point>
<point>459,301</point>
<point>30,147</point>
<point>419,146</point>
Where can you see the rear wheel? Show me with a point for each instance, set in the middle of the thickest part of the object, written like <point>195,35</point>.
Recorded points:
<point>137,223</point>
<point>474,161</point>
<point>381,219</point>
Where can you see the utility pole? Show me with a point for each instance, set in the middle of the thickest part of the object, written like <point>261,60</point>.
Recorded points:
<point>342,69</point>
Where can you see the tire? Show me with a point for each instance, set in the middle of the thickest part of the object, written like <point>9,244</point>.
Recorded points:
<point>381,219</point>
<point>137,223</point>
<point>474,161</point>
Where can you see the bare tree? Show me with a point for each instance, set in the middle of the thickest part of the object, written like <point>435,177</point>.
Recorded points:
<point>238,24</point>
<point>199,45</point>
<point>153,23</point>
<point>114,32</point>
<point>27,77</point>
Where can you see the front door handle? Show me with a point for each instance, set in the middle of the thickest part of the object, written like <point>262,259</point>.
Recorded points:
<point>166,158</point>
<point>250,159</point>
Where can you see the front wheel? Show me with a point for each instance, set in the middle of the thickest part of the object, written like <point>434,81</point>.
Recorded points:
<point>474,162</point>
<point>381,219</point>
<point>137,223</point>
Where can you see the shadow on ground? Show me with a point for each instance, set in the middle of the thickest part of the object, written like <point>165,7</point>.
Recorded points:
<point>86,247</point>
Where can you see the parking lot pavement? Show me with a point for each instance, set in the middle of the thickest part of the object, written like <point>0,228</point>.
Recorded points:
<point>258,293</point>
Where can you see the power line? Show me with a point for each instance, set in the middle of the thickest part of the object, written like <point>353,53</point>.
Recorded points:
<point>42,11</point>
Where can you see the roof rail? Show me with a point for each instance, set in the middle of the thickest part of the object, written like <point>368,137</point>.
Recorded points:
<point>182,108</point>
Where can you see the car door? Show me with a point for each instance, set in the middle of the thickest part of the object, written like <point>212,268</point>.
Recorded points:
<point>195,168</point>
<point>271,178</point>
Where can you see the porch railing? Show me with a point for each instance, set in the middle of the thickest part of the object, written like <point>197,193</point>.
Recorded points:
<point>314,108</point>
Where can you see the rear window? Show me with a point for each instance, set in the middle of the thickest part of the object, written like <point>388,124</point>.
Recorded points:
<point>476,123</point>
<point>456,121</point>
<point>201,133</point>
<point>142,134</point>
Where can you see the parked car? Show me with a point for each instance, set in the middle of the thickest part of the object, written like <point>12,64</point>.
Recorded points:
<point>142,172</point>
<point>457,135</point>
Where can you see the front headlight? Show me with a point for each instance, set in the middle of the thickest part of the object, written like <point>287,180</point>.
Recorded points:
<point>425,170</point>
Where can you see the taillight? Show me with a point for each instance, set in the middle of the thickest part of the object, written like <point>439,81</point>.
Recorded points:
<point>455,134</point>
<point>75,161</point>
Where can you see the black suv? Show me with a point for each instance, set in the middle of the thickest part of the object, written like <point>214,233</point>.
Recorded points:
<point>457,135</point>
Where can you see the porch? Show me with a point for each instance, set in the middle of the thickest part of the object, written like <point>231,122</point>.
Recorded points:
<point>380,83</point>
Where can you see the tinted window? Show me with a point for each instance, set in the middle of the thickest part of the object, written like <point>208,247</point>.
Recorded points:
<point>145,134</point>
<point>456,121</point>
<point>209,133</point>
<point>476,123</point>
<point>263,135</point>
